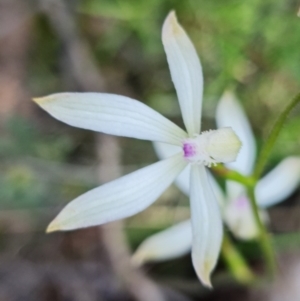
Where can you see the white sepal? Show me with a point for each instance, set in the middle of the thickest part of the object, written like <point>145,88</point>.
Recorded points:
<point>111,114</point>
<point>120,198</point>
<point>206,225</point>
<point>279,183</point>
<point>231,114</point>
<point>186,72</point>
<point>239,218</point>
<point>164,151</point>
<point>170,243</point>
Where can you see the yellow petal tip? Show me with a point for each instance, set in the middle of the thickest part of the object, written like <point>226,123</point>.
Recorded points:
<point>141,256</point>
<point>172,16</point>
<point>171,26</point>
<point>206,282</point>
<point>204,273</point>
<point>38,100</point>
<point>53,226</point>
<point>204,276</point>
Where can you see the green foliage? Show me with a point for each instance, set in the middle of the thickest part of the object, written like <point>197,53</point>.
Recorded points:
<point>30,177</point>
<point>23,139</point>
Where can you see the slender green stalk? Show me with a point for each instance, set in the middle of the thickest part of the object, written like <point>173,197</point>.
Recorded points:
<point>233,175</point>
<point>235,262</point>
<point>268,146</point>
<point>264,237</point>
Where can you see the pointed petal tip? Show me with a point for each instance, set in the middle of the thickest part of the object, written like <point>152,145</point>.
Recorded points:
<point>226,104</point>
<point>171,26</point>
<point>204,277</point>
<point>228,95</point>
<point>208,284</point>
<point>146,253</point>
<point>42,100</point>
<point>171,17</point>
<point>38,100</point>
<point>137,259</point>
<point>53,227</point>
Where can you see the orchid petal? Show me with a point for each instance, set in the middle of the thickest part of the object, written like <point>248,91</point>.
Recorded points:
<point>231,114</point>
<point>206,225</point>
<point>279,183</point>
<point>186,72</point>
<point>111,114</point>
<point>164,150</point>
<point>170,243</point>
<point>120,198</point>
<point>239,218</point>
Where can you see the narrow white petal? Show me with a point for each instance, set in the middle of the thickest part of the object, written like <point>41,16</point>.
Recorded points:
<point>121,198</point>
<point>112,114</point>
<point>186,72</point>
<point>183,180</point>
<point>170,243</point>
<point>231,114</point>
<point>183,183</point>
<point>164,150</point>
<point>239,218</point>
<point>206,225</point>
<point>279,183</point>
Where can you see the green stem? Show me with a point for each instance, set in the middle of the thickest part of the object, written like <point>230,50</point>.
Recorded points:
<point>235,262</point>
<point>267,148</point>
<point>264,237</point>
<point>233,175</point>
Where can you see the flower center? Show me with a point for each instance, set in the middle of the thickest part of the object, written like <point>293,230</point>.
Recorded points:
<point>212,147</point>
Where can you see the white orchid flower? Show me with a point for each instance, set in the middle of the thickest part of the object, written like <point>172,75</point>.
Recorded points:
<point>273,188</point>
<point>122,116</point>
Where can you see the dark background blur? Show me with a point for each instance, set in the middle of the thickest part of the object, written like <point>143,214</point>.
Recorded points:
<point>114,46</point>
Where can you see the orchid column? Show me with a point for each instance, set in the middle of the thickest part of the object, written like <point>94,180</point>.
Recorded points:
<point>122,116</point>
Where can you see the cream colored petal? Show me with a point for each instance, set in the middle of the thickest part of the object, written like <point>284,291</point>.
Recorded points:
<point>111,114</point>
<point>168,244</point>
<point>120,198</point>
<point>206,225</point>
<point>186,72</point>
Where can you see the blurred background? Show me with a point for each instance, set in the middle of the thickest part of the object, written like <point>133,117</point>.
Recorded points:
<point>47,46</point>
